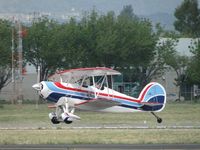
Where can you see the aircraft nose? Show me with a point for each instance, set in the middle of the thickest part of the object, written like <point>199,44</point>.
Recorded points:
<point>37,86</point>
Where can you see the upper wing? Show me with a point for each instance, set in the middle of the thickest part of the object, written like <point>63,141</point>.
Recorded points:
<point>77,74</point>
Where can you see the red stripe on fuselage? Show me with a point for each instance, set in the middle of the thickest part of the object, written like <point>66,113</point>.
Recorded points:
<point>58,84</point>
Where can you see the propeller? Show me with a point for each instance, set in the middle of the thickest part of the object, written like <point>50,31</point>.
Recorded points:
<point>37,86</point>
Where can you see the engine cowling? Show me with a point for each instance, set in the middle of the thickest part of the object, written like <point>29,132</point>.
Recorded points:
<point>53,118</point>
<point>66,118</point>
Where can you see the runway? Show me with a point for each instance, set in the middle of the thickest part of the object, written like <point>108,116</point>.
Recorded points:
<point>102,127</point>
<point>103,146</point>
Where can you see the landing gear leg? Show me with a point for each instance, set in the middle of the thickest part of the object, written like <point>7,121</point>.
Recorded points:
<point>159,120</point>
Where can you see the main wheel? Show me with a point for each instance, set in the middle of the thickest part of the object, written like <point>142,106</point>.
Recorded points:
<point>67,121</point>
<point>54,120</point>
<point>66,118</point>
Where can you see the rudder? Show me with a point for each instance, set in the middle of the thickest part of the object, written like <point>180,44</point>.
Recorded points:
<point>153,97</point>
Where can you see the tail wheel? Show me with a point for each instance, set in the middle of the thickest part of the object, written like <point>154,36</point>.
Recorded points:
<point>159,120</point>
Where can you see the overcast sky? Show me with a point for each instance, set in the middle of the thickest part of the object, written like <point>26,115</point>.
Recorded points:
<point>141,7</point>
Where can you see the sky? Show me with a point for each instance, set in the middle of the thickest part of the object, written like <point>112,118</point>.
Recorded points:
<point>141,7</point>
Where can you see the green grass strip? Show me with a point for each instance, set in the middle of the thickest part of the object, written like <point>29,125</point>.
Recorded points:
<point>100,136</point>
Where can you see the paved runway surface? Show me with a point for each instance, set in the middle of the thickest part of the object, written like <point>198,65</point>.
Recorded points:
<point>103,146</point>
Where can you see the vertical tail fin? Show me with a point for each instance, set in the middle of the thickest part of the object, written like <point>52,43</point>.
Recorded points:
<point>153,97</point>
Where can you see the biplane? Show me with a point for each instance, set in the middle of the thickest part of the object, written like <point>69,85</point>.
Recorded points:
<point>92,89</point>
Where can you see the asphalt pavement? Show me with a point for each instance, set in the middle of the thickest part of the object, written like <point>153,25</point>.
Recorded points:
<point>103,147</point>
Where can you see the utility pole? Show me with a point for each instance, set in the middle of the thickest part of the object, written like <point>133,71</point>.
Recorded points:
<point>20,62</point>
<point>13,63</point>
<point>38,81</point>
<point>17,62</point>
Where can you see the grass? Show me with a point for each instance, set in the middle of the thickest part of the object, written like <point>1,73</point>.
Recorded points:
<point>100,136</point>
<point>27,116</point>
<point>175,114</point>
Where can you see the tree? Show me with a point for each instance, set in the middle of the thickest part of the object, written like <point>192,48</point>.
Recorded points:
<point>73,42</point>
<point>188,18</point>
<point>137,46</point>
<point>157,65</point>
<point>178,63</point>
<point>41,47</point>
<point>127,13</point>
<point>106,41</point>
<point>90,31</point>
<point>99,38</point>
<point>193,70</point>
<point>5,53</point>
<point>124,41</point>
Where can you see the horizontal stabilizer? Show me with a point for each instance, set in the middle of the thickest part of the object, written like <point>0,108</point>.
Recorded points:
<point>151,103</point>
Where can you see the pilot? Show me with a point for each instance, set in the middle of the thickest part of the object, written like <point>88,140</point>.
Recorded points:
<point>99,86</point>
<point>85,84</point>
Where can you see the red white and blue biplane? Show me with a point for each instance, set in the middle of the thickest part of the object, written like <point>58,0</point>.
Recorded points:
<point>91,89</point>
